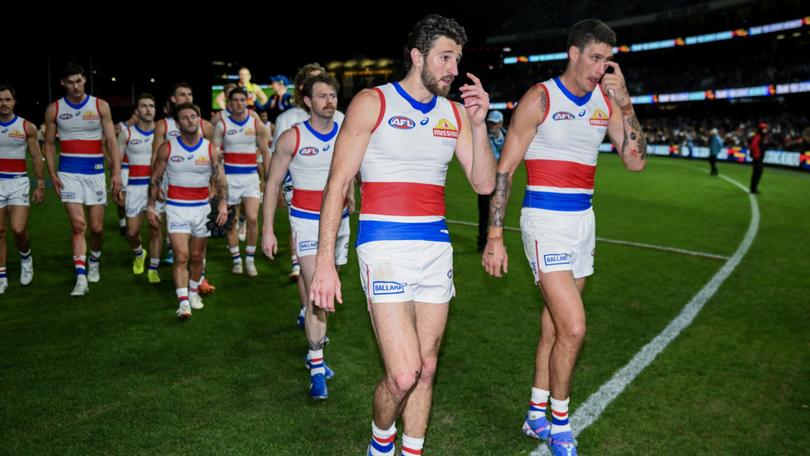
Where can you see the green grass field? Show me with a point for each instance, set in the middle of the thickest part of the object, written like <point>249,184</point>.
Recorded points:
<point>116,373</point>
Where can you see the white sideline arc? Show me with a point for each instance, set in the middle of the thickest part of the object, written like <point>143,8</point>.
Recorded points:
<point>590,410</point>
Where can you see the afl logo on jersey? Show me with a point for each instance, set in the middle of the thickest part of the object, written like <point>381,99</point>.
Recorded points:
<point>401,123</point>
<point>177,159</point>
<point>231,132</point>
<point>308,151</point>
<point>174,134</point>
<point>135,142</point>
<point>562,115</point>
<point>66,116</point>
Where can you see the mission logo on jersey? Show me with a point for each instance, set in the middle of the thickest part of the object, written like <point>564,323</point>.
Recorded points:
<point>445,129</point>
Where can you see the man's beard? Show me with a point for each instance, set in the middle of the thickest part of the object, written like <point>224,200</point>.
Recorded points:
<point>432,84</point>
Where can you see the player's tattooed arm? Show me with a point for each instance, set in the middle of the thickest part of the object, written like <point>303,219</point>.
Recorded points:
<point>497,204</point>
<point>634,141</point>
<point>158,169</point>
<point>220,184</point>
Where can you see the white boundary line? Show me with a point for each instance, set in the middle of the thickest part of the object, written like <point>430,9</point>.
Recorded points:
<point>590,410</point>
<point>620,242</point>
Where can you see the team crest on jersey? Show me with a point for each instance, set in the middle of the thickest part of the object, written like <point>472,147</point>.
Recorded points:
<point>445,129</point>
<point>401,123</point>
<point>65,116</point>
<point>563,115</point>
<point>202,160</point>
<point>90,115</point>
<point>249,131</point>
<point>308,151</point>
<point>16,134</point>
<point>599,118</point>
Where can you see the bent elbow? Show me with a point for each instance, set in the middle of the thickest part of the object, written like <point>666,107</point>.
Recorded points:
<point>638,166</point>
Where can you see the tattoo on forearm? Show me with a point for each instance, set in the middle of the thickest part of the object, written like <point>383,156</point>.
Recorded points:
<point>636,135</point>
<point>154,185</point>
<point>216,173</point>
<point>497,204</point>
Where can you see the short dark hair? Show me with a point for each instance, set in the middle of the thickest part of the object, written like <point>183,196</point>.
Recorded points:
<point>183,106</point>
<point>72,68</point>
<point>228,87</point>
<point>301,78</point>
<point>4,87</point>
<point>144,96</point>
<point>425,33</point>
<point>325,78</point>
<point>235,91</point>
<point>179,85</point>
<point>590,31</point>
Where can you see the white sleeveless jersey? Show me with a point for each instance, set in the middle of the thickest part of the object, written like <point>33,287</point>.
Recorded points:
<point>189,172</point>
<point>293,116</point>
<point>80,134</point>
<point>125,161</point>
<point>13,143</point>
<point>312,157</point>
<point>172,130</point>
<point>561,159</point>
<point>405,167</point>
<point>139,154</point>
<point>239,145</point>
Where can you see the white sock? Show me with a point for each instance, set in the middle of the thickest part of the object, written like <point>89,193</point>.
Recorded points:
<point>559,416</point>
<point>193,288</point>
<point>538,404</point>
<point>316,362</point>
<point>237,258</point>
<point>382,440</point>
<point>412,446</point>
<point>250,253</point>
<point>182,295</point>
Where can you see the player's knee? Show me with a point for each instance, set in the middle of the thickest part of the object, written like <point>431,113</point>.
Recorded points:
<point>180,258</point>
<point>18,229</point>
<point>252,219</point>
<point>97,228</point>
<point>548,336</point>
<point>132,233</point>
<point>428,369</point>
<point>572,333</point>
<point>78,227</point>
<point>401,382</point>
